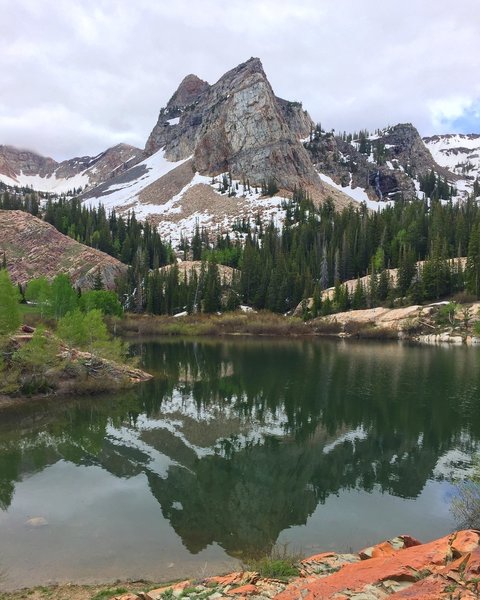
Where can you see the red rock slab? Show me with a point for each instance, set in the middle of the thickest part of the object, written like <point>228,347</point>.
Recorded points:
<point>157,593</point>
<point>389,547</point>
<point>465,541</point>
<point>404,565</point>
<point>456,580</point>
<point>243,590</point>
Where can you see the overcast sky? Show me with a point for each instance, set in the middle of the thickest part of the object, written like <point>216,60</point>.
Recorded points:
<point>78,76</point>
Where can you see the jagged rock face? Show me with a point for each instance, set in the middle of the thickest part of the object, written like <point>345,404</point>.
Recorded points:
<point>189,92</point>
<point>298,120</point>
<point>349,167</point>
<point>34,248</point>
<point>236,125</point>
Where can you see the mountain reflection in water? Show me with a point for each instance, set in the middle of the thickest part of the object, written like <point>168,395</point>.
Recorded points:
<point>241,440</point>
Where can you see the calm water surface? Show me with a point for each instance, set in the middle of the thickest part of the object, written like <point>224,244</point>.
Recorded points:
<point>234,447</point>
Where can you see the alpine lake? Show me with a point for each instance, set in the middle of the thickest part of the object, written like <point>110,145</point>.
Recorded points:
<point>236,447</point>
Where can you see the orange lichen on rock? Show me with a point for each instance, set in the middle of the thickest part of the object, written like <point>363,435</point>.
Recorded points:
<point>408,567</point>
<point>400,568</point>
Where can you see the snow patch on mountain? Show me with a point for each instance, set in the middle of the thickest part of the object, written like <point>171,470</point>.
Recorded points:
<point>49,183</point>
<point>358,194</point>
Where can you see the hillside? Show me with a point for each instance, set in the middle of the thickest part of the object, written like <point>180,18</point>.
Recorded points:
<point>33,248</point>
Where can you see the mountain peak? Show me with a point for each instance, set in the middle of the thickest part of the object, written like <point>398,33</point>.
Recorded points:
<point>188,92</point>
<point>236,125</point>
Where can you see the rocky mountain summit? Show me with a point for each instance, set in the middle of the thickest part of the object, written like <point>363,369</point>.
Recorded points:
<point>236,125</point>
<point>26,168</point>
<point>387,165</point>
<point>33,248</point>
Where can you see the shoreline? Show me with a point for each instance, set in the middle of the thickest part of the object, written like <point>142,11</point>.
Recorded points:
<point>401,567</point>
<point>414,324</point>
<point>420,324</point>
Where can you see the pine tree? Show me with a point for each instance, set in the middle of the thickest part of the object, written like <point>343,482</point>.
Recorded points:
<point>213,292</point>
<point>98,281</point>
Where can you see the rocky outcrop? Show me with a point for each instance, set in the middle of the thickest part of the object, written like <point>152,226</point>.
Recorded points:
<point>415,322</point>
<point>189,91</point>
<point>33,248</point>
<point>298,120</point>
<point>404,144</point>
<point>398,568</point>
<point>236,125</point>
<point>71,371</point>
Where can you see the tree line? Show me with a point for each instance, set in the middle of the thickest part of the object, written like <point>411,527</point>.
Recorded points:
<point>317,248</point>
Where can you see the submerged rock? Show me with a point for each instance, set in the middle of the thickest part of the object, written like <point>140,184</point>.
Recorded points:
<point>37,522</point>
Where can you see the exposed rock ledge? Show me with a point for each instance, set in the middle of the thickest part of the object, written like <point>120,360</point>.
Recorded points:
<point>400,568</point>
<point>414,322</point>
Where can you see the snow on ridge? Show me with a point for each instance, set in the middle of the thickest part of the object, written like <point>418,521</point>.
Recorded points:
<point>118,195</point>
<point>127,195</point>
<point>456,140</point>
<point>8,180</point>
<point>270,207</point>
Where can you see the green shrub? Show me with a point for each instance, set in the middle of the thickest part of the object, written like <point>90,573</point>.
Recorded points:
<point>446,314</point>
<point>279,564</point>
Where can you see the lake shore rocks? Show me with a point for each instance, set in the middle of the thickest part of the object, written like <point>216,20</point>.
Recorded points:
<point>403,567</point>
<point>419,323</point>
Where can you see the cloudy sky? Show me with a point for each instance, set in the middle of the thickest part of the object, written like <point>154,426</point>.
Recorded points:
<point>78,76</point>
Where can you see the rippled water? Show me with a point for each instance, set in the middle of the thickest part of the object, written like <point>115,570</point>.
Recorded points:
<point>236,446</point>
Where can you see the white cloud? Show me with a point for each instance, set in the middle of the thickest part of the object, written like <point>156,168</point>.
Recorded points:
<point>81,75</point>
<point>447,110</point>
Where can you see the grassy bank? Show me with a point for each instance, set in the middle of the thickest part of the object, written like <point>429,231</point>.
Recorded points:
<point>433,323</point>
<point>231,323</point>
